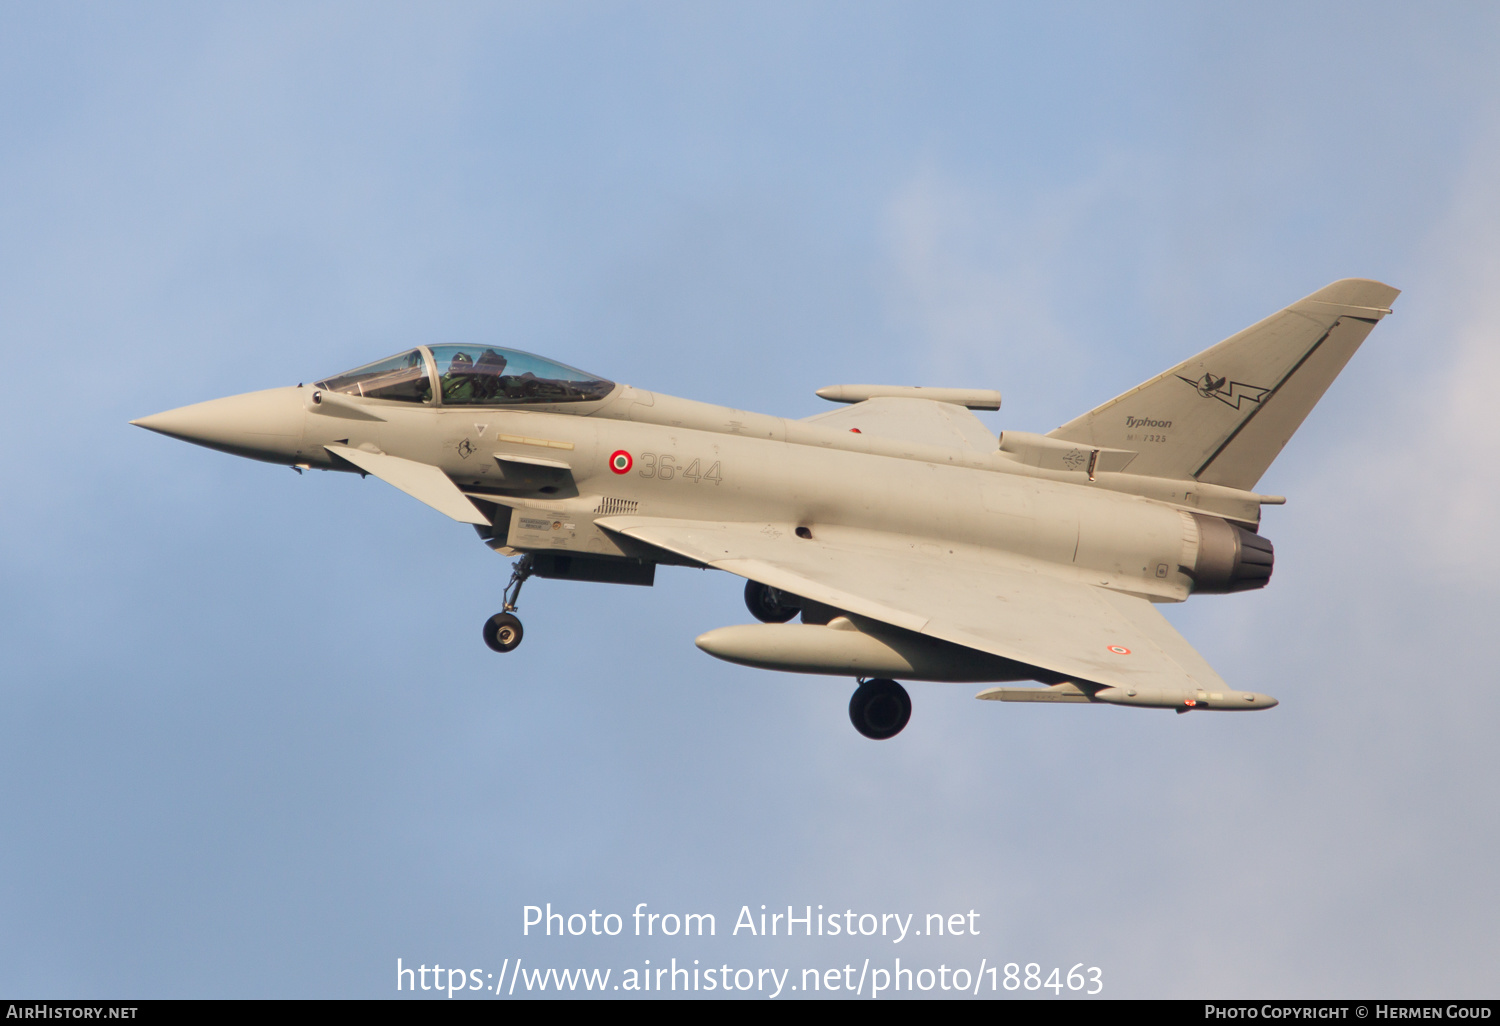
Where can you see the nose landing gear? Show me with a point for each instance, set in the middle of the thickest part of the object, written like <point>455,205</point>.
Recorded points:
<point>503,631</point>
<point>879,709</point>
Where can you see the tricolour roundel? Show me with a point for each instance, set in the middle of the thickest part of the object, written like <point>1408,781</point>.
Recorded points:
<point>1119,650</point>
<point>620,461</point>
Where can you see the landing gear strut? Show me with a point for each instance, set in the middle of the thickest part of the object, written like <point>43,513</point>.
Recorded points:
<point>503,631</point>
<point>879,709</point>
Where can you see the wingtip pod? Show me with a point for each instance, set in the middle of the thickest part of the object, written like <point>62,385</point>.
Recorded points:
<point>1182,701</point>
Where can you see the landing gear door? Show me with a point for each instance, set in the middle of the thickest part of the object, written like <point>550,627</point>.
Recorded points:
<point>533,529</point>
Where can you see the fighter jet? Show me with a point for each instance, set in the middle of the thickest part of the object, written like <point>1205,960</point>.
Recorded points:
<point>909,540</point>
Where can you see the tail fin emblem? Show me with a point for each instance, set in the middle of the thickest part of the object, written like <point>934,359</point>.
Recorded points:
<point>1211,386</point>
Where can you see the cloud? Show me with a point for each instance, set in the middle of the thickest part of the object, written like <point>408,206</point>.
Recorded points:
<point>975,284</point>
<point>1430,468</point>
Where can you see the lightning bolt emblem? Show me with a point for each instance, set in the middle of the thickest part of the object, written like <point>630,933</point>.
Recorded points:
<point>1230,393</point>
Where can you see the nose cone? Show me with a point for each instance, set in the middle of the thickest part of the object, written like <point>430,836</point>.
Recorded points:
<point>261,425</point>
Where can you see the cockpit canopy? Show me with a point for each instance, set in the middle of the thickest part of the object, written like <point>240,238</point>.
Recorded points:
<point>470,376</point>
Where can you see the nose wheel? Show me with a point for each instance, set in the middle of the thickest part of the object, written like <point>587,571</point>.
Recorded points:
<point>503,631</point>
<point>879,709</point>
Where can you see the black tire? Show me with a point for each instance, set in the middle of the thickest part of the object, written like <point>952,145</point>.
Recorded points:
<point>763,605</point>
<point>503,632</point>
<point>880,709</point>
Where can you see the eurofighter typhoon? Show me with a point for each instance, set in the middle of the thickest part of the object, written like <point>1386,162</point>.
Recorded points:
<point>910,541</point>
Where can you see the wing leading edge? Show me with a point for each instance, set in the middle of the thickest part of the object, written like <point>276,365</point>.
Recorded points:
<point>1098,639</point>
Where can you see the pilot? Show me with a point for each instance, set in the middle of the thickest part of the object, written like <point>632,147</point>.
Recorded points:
<point>487,371</point>
<point>458,383</point>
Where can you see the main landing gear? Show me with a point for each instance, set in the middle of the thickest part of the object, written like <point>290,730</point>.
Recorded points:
<point>879,709</point>
<point>503,631</point>
<point>768,605</point>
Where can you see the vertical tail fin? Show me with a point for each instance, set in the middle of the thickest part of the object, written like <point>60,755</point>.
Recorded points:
<point>1224,415</point>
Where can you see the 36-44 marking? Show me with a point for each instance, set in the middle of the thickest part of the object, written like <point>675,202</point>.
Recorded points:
<point>664,467</point>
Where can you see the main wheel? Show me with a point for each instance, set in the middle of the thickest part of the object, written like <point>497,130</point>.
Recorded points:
<point>503,632</point>
<point>767,604</point>
<point>879,709</point>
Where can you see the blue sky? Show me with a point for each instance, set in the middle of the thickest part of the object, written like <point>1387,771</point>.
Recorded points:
<point>255,745</point>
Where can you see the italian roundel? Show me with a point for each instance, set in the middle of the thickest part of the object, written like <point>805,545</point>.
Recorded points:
<point>620,461</point>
